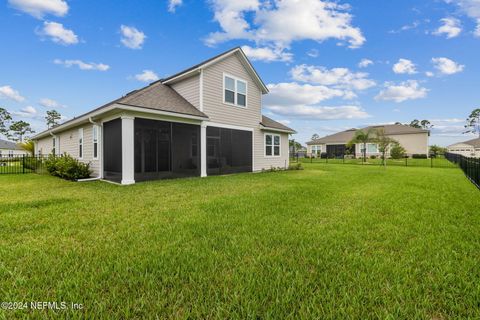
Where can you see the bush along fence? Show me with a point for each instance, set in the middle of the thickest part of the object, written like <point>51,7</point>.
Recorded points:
<point>19,164</point>
<point>420,161</point>
<point>470,166</point>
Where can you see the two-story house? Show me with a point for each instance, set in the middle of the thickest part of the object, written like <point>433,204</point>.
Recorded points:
<point>205,120</point>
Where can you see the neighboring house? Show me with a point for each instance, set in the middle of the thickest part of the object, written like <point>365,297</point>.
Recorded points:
<point>414,140</point>
<point>470,148</point>
<point>10,149</point>
<point>205,120</point>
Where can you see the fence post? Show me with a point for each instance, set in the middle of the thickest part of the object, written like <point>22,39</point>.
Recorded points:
<point>23,163</point>
<point>406,161</point>
<point>431,162</point>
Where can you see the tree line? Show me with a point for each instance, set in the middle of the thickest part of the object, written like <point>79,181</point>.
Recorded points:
<point>18,130</point>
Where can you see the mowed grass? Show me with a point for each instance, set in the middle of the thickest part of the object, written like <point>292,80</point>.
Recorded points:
<point>328,242</point>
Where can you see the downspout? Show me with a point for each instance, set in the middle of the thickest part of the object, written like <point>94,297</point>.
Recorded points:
<point>100,176</point>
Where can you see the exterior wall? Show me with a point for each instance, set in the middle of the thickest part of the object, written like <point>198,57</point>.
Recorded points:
<point>5,152</point>
<point>260,161</point>
<point>464,149</point>
<point>189,89</point>
<point>69,144</point>
<point>213,106</point>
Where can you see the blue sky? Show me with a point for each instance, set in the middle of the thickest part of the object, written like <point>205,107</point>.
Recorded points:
<point>421,58</point>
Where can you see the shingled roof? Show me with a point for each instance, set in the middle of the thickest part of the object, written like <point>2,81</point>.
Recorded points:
<point>347,135</point>
<point>4,144</point>
<point>272,124</point>
<point>474,143</point>
<point>160,97</point>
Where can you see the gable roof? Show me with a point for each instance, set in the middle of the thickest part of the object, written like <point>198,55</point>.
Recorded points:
<point>196,68</point>
<point>271,124</point>
<point>347,135</point>
<point>474,143</point>
<point>4,144</point>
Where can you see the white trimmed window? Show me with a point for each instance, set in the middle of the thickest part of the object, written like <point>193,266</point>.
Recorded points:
<point>80,143</point>
<point>272,145</point>
<point>10,153</point>
<point>316,149</point>
<point>372,148</point>
<point>234,91</point>
<point>95,135</point>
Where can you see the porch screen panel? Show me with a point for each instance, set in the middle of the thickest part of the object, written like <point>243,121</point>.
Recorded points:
<point>228,151</point>
<point>112,150</point>
<point>185,150</point>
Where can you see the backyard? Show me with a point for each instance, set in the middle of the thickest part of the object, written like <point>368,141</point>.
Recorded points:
<point>329,242</point>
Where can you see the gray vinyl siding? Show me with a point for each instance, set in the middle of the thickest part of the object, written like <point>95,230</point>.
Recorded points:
<point>69,145</point>
<point>219,112</point>
<point>213,105</point>
<point>263,162</point>
<point>189,89</point>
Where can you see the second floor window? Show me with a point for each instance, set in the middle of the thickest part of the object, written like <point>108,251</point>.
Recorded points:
<point>235,91</point>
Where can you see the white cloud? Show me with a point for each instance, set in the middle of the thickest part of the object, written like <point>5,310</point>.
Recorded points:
<point>365,63</point>
<point>429,74</point>
<point>406,27</point>
<point>40,8</point>
<point>57,33</point>
<point>407,90</point>
<point>279,23</point>
<point>27,112</point>
<point>404,66</point>
<point>147,76</point>
<point>320,112</point>
<point>447,66</point>
<point>313,53</point>
<point>472,9</point>
<point>451,28</point>
<point>267,54</point>
<point>132,37</point>
<point>50,104</point>
<point>292,93</point>
<point>337,77</point>
<point>173,4</point>
<point>82,65</point>
<point>7,92</point>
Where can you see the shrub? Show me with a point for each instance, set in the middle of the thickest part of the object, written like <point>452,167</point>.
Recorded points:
<point>323,155</point>
<point>373,156</point>
<point>297,166</point>
<point>419,156</point>
<point>397,152</point>
<point>67,167</point>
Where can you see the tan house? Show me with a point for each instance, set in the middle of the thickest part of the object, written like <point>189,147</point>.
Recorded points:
<point>470,148</point>
<point>414,140</point>
<point>10,149</point>
<point>206,120</point>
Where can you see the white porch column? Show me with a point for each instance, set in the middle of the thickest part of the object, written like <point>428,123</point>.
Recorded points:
<point>203,149</point>
<point>128,157</point>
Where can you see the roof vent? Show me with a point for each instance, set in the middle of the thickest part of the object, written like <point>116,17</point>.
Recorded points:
<point>131,92</point>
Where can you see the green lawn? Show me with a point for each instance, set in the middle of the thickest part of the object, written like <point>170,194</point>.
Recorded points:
<point>328,242</point>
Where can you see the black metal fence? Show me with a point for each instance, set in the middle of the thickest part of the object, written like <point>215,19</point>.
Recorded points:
<point>470,166</point>
<point>19,164</point>
<point>433,162</point>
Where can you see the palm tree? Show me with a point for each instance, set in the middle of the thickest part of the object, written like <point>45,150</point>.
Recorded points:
<point>363,136</point>
<point>28,146</point>
<point>384,144</point>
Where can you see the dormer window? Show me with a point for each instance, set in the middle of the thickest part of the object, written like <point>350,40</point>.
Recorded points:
<point>235,91</point>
